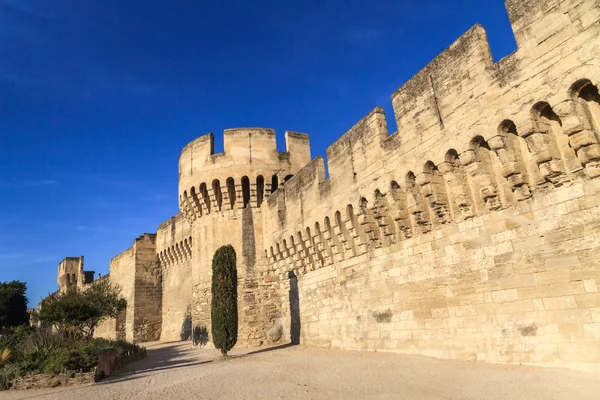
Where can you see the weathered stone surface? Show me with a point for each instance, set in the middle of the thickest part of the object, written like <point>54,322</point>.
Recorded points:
<point>470,233</point>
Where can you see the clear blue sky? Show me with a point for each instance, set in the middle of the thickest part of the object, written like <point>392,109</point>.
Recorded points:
<point>97,98</point>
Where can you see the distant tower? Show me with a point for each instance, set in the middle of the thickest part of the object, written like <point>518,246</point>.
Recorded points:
<point>70,272</point>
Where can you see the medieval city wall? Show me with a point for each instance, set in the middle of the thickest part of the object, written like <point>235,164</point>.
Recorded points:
<point>147,322</point>
<point>122,273</point>
<point>471,233</point>
<point>137,272</point>
<point>174,249</point>
<point>108,328</point>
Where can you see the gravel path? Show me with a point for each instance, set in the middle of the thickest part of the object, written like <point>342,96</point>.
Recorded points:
<point>173,371</point>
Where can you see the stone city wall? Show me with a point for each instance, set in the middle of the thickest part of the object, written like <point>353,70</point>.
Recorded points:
<point>137,272</point>
<point>472,232</point>
<point>147,321</point>
<point>174,249</point>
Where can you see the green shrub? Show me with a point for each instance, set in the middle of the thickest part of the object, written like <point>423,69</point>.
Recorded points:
<point>33,351</point>
<point>7,374</point>
<point>10,338</point>
<point>81,311</point>
<point>40,351</point>
<point>224,315</point>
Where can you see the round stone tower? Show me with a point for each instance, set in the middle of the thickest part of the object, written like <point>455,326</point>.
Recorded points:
<point>221,195</point>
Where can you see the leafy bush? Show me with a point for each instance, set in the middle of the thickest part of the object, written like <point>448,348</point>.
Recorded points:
<point>224,315</point>
<point>81,311</point>
<point>33,351</point>
<point>41,351</point>
<point>8,373</point>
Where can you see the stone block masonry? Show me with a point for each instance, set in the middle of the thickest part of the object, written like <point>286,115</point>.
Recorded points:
<point>174,249</point>
<point>470,233</point>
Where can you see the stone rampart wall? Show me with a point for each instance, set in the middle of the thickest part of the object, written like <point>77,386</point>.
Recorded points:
<point>148,290</point>
<point>471,232</point>
<point>122,273</point>
<point>174,249</point>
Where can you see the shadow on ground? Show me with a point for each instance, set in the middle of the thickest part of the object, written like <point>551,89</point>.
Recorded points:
<point>273,348</point>
<point>162,357</point>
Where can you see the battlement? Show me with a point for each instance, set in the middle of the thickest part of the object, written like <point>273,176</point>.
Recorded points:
<point>251,144</point>
<point>146,238</point>
<point>535,21</point>
<point>435,100</point>
<point>459,102</point>
<point>71,273</point>
<point>469,233</point>
<point>459,74</point>
<point>248,170</point>
<point>244,146</point>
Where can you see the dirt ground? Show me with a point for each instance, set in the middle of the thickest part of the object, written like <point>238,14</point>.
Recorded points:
<point>174,371</point>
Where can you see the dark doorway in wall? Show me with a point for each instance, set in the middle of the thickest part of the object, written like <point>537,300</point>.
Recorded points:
<point>294,309</point>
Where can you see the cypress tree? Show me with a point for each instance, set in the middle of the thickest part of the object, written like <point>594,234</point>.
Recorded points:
<point>223,312</point>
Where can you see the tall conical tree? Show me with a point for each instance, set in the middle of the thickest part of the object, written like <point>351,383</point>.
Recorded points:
<point>224,315</point>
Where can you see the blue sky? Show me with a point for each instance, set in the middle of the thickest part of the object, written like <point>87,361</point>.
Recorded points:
<point>97,98</point>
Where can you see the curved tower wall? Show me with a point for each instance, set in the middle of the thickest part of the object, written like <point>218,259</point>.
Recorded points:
<point>221,197</point>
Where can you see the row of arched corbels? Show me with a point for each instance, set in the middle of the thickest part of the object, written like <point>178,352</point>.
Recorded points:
<point>558,145</point>
<point>177,253</point>
<point>219,196</point>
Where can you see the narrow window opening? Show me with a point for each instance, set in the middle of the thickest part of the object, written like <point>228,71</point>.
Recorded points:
<point>260,188</point>
<point>246,190</point>
<point>231,191</point>
<point>216,186</point>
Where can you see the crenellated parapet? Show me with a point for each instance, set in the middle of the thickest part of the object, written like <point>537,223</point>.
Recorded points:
<point>473,137</point>
<point>248,170</point>
<point>71,273</point>
<point>470,233</point>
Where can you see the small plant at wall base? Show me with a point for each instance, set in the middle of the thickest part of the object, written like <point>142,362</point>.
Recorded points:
<point>223,312</point>
<point>80,312</point>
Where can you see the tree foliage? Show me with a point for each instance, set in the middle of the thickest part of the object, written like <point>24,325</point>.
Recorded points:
<point>81,311</point>
<point>224,315</point>
<point>13,304</point>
